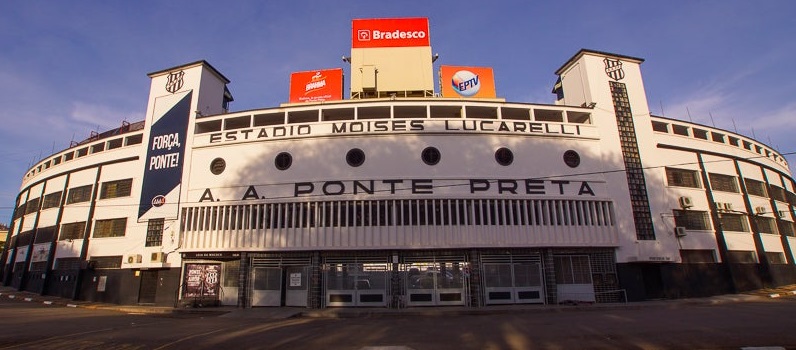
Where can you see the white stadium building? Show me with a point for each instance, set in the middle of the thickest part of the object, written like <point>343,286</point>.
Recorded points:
<point>399,195</point>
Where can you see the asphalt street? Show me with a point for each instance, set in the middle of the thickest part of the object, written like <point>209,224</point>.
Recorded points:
<point>749,322</point>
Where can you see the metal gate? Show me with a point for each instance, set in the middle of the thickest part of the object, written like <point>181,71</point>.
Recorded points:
<point>280,281</point>
<point>512,279</point>
<point>356,281</point>
<point>149,287</point>
<point>435,280</point>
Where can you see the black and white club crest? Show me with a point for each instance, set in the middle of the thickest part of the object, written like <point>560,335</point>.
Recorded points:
<point>175,81</point>
<point>614,69</point>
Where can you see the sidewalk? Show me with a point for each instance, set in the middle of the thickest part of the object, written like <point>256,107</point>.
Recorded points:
<point>290,312</point>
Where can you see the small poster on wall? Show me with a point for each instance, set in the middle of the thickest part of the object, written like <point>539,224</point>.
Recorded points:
<point>202,280</point>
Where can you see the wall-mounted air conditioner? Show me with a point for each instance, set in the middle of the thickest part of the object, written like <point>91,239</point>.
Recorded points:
<point>720,206</point>
<point>686,202</point>
<point>157,257</point>
<point>760,210</point>
<point>679,231</point>
<point>728,206</point>
<point>134,259</point>
<point>781,214</point>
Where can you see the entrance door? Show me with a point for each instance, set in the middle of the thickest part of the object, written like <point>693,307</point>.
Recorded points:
<point>149,287</point>
<point>297,285</point>
<point>356,284</point>
<point>267,288</point>
<point>513,280</point>
<point>440,283</point>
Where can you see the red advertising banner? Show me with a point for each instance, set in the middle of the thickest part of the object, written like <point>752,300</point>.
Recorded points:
<point>471,82</point>
<point>316,85</point>
<point>389,32</point>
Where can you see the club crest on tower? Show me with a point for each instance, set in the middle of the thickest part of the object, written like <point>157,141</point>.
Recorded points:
<point>175,81</point>
<point>614,69</point>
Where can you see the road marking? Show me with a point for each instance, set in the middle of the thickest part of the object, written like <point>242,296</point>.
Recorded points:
<point>71,305</point>
<point>47,302</point>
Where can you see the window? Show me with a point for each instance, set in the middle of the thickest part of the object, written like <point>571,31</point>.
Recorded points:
<point>785,228</point>
<point>79,194</point>
<point>110,228</point>
<point>700,134</point>
<point>355,157</point>
<point>32,206</point>
<point>430,155</point>
<point>154,233</point>
<point>572,269</point>
<point>45,234</point>
<point>717,137</point>
<point>115,143</point>
<point>73,230</point>
<point>691,219</point>
<point>733,222</point>
<point>660,127</point>
<point>724,183</point>
<point>133,140</point>
<point>680,129</point>
<point>765,225</point>
<point>114,189</point>
<point>756,188</point>
<point>777,193</point>
<point>283,161</point>
<point>698,256</point>
<point>682,178</point>
<point>776,258</point>
<point>741,257</point>
<point>106,262</point>
<point>52,200</point>
<point>504,156</point>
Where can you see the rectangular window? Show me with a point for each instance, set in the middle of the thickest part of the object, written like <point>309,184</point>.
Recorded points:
<point>756,188</point>
<point>785,228</point>
<point>44,234</point>
<point>765,225</point>
<point>73,230</point>
<point>154,233</point>
<point>106,262</point>
<point>776,258</point>
<point>726,183</point>
<point>733,222</point>
<point>698,256</point>
<point>32,206</point>
<point>133,140</point>
<point>682,178</point>
<point>572,269</point>
<point>660,127</point>
<point>741,257</point>
<point>777,193</point>
<point>700,134</point>
<point>51,200</point>
<point>110,228</point>
<point>692,219</point>
<point>680,129</point>
<point>114,189</point>
<point>79,194</point>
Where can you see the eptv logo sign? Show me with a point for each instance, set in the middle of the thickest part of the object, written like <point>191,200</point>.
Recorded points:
<point>390,32</point>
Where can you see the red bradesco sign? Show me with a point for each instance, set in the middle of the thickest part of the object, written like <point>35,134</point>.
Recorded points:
<point>389,32</point>
<point>316,85</point>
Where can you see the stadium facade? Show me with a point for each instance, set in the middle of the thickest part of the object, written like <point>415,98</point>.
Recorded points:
<point>403,196</point>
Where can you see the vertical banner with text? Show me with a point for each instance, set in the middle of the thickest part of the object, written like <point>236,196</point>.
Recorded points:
<point>164,158</point>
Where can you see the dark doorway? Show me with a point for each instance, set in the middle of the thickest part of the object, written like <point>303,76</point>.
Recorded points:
<point>653,281</point>
<point>149,287</point>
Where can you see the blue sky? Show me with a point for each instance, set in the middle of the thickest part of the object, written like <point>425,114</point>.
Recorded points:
<point>70,67</point>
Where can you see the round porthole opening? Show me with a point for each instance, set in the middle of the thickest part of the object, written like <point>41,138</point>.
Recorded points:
<point>283,161</point>
<point>504,156</point>
<point>571,158</point>
<point>355,157</point>
<point>431,156</point>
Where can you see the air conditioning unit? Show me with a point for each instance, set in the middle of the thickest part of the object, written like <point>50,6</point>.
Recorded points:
<point>720,206</point>
<point>158,257</point>
<point>679,231</point>
<point>728,206</point>
<point>760,210</point>
<point>781,214</point>
<point>686,202</point>
<point>134,259</point>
